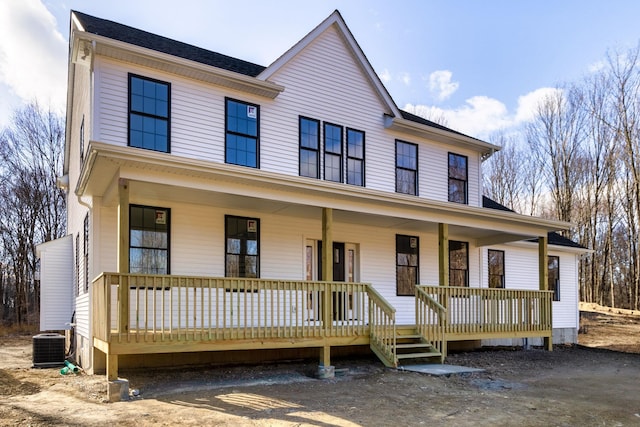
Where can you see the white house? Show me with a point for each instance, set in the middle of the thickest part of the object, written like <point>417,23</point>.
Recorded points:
<point>215,205</point>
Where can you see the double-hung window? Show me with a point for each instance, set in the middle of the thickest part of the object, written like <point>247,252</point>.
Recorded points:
<point>554,276</point>
<point>242,236</point>
<point>242,128</point>
<point>355,157</point>
<point>406,168</point>
<point>309,147</point>
<point>407,268</point>
<point>458,263</point>
<point>458,178</point>
<point>149,106</point>
<point>496,268</point>
<point>332,152</point>
<point>148,240</point>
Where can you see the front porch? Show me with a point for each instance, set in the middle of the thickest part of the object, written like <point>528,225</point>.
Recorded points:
<point>146,314</point>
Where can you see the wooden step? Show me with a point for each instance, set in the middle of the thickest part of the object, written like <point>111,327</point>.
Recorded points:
<point>418,355</point>
<point>414,345</point>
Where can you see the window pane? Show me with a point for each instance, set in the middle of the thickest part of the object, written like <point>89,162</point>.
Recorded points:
<point>332,164</point>
<point>405,181</point>
<point>332,139</point>
<point>457,167</point>
<point>457,191</point>
<point>308,163</point>
<point>355,144</point>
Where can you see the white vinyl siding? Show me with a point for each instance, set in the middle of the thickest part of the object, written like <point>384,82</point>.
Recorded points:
<point>56,284</point>
<point>521,272</point>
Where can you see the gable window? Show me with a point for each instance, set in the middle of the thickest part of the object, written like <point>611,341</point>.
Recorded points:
<point>242,236</point>
<point>458,178</point>
<point>309,147</point>
<point>458,263</point>
<point>242,125</point>
<point>149,107</point>
<point>406,168</point>
<point>85,254</point>
<point>355,157</point>
<point>407,257</point>
<point>148,240</point>
<point>496,268</point>
<point>554,276</point>
<point>332,152</point>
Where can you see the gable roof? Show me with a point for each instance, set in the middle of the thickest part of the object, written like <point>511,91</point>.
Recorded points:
<point>554,238</point>
<point>124,33</point>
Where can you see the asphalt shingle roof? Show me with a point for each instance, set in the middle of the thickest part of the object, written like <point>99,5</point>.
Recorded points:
<point>554,238</point>
<point>124,33</point>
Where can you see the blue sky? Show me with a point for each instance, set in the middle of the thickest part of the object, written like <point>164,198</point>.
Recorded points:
<point>480,64</point>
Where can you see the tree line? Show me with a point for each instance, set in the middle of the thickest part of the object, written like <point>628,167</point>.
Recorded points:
<point>32,208</point>
<point>578,160</point>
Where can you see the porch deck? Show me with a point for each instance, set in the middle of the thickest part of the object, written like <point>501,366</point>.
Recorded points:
<point>143,314</point>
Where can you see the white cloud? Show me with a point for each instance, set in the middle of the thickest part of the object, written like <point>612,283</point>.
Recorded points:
<point>385,76</point>
<point>480,116</point>
<point>527,104</point>
<point>405,78</point>
<point>32,53</point>
<point>441,86</point>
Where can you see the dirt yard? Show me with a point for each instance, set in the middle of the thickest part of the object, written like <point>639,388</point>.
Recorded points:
<point>594,384</point>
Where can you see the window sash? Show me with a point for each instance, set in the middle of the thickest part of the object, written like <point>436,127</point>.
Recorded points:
<point>309,131</point>
<point>458,263</point>
<point>406,168</point>
<point>496,268</point>
<point>553,264</point>
<point>149,113</point>
<point>332,152</point>
<point>149,240</point>
<point>407,264</point>
<point>458,178</point>
<point>242,247</point>
<point>242,126</point>
<point>355,157</point>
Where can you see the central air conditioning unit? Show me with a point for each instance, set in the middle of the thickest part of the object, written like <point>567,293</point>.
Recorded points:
<point>48,350</point>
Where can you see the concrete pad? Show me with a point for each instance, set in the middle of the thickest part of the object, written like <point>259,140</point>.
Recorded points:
<point>438,369</point>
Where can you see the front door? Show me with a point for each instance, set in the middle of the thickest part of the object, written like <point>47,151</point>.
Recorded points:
<point>343,270</point>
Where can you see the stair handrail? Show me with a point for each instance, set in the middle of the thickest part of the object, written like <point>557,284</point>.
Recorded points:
<point>382,327</point>
<point>430,321</point>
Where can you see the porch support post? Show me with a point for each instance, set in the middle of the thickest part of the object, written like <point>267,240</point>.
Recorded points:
<point>123,260</point>
<point>123,226</point>
<point>325,370</point>
<point>543,273</point>
<point>443,254</point>
<point>112,367</point>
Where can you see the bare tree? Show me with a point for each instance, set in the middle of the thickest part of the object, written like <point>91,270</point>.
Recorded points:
<point>32,208</point>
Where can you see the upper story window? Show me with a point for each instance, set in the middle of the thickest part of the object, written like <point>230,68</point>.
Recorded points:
<point>458,263</point>
<point>149,113</point>
<point>458,191</point>
<point>330,156</point>
<point>554,276</point>
<point>148,240</point>
<point>332,152</point>
<point>355,157</point>
<point>242,127</point>
<point>406,168</point>
<point>496,268</point>
<point>309,147</point>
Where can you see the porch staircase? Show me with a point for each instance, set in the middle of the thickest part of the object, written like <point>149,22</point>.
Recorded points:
<point>411,346</point>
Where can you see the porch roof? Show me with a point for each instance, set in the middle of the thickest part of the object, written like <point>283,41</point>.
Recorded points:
<point>170,177</point>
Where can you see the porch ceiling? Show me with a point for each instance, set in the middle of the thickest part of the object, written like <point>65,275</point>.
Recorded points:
<point>160,176</point>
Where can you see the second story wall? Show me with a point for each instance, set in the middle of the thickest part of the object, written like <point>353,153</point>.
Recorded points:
<point>323,82</point>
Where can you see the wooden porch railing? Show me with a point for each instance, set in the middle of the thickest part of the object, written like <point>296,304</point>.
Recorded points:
<point>430,321</point>
<point>477,313</point>
<point>150,308</point>
<point>382,328</point>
